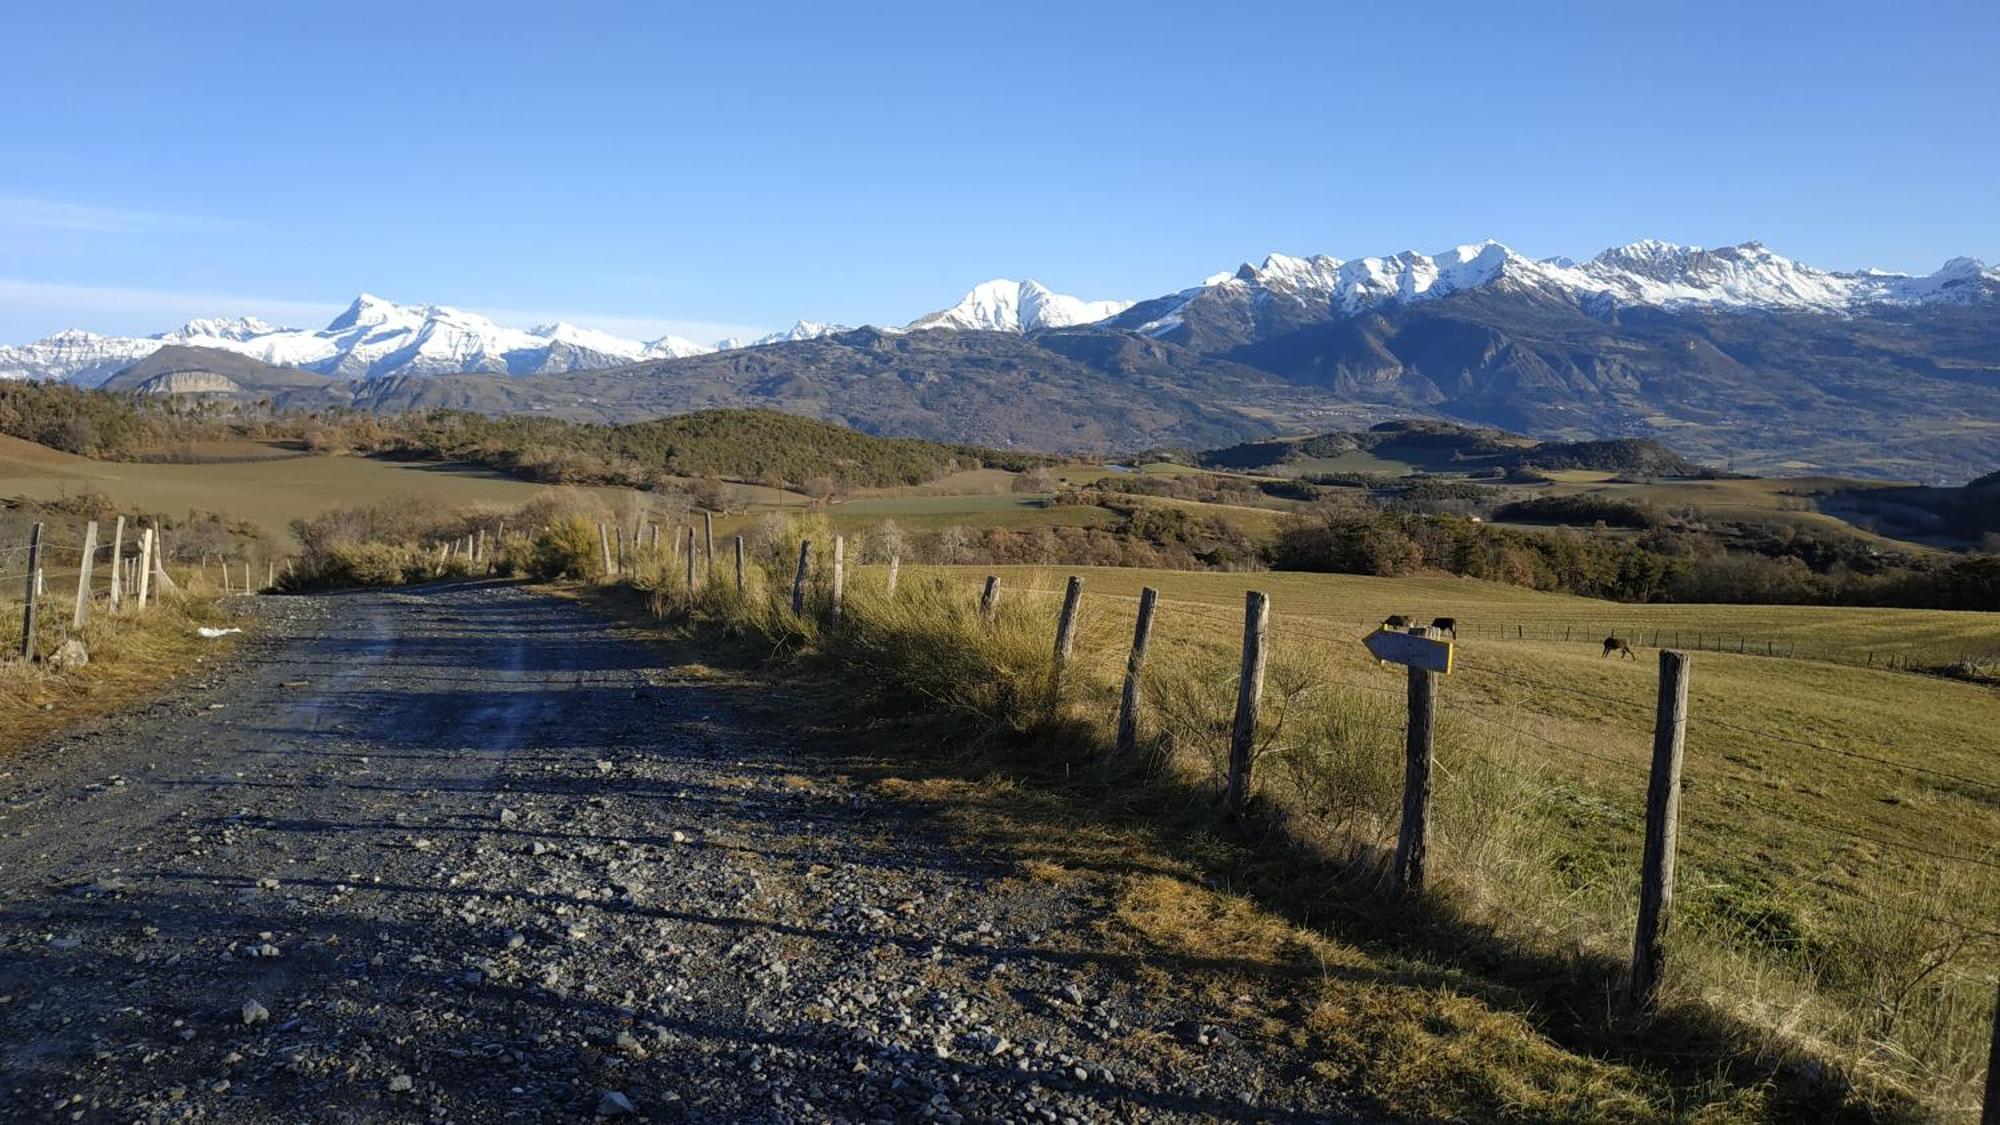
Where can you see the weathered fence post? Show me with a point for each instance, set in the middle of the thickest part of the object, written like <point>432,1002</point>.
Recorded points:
<point>839,572</point>
<point>1066,624</point>
<point>146,548</point>
<point>690,559</point>
<point>1135,664</point>
<point>799,579</point>
<point>708,537</point>
<point>895,567</point>
<point>989,595</point>
<point>1249,695</point>
<point>1419,752</point>
<point>1663,807</point>
<point>83,574</point>
<point>656,539</point>
<point>28,610</point>
<point>618,544</point>
<point>270,575</point>
<point>604,548</point>
<point>117,563</point>
<point>739,566</point>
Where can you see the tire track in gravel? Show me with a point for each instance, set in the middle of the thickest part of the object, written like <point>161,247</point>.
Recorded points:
<point>462,853</point>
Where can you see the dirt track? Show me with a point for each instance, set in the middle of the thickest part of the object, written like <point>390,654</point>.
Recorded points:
<point>465,854</point>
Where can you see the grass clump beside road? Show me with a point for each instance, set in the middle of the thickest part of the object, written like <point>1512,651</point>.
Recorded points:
<point>1496,994</point>
<point>132,655</point>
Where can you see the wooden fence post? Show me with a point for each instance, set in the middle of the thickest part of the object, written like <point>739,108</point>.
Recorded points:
<point>656,539</point>
<point>117,563</point>
<point>604,548</point>
<point>270,575</point>
<point>1066,624</point>
<point>28,610</point>
<point>799,579</point>
<point>708,537</point>
<point>839,572</point>
<point>895,567</point>
<point>618,544</point>
<point>739,566</point>
<point>83,574</point>
<point>1135,664</point>
<point>690,559</point>
<point>1419,752</point>
<point>989,595</point>
<point>149,544</point>
<point>1663,807</point>
<point>1249,696</point>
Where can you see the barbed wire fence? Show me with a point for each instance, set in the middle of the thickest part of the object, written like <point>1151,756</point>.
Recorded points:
<point>133,561</point>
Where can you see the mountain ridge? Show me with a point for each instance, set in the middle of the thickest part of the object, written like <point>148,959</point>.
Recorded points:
<point>374,337</point>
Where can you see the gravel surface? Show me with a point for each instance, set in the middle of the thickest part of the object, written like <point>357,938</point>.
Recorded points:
<point>463,853</point>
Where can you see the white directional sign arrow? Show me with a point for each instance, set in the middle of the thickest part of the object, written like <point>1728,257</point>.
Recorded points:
<point>1392,647</point>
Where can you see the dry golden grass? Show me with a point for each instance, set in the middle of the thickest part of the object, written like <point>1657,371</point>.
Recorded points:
<point>131,656</point>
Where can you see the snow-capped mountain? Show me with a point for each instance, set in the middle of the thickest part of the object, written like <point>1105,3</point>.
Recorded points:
<point>75,355</point>
<point>373,338</point>
<point>801,330</point>
<point>1018,306</point>
<point>1659,274</point>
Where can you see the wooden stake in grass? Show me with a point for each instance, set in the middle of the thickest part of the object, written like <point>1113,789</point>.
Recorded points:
<point>989,596</point>
<point>1135,664</point>
<point>708,537</point>
<point>117,563</point>
<point>28,610</point>
<point>839,572</point>
<point>895,567</point>
<point>618,544</point>
<point>1249,696</point>
<point>83,574</point>
<point>1066,624</point>
<point>1663,810</point>
<point>739,566</point>
<point>799,579</point>
<point>690,559</point>
<point>1419,753</point>
<point>604,547</point>
<point>145,566</point>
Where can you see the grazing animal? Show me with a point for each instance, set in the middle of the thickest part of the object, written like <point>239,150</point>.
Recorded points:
<point>1613,644</point>
<point>1397,621</point>
<point>1446,625</point>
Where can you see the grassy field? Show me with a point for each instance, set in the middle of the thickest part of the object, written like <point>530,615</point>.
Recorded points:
<point>270,493</point>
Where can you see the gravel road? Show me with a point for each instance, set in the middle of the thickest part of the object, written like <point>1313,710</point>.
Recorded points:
<point>464,853</point>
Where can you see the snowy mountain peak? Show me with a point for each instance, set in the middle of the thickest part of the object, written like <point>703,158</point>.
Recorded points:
<point>1002,305</point>
<point>1649,272</point>
<point>367,308</point>
<point>221,328</point>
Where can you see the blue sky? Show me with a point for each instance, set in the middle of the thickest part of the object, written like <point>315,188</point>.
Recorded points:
<point>719,169</point>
